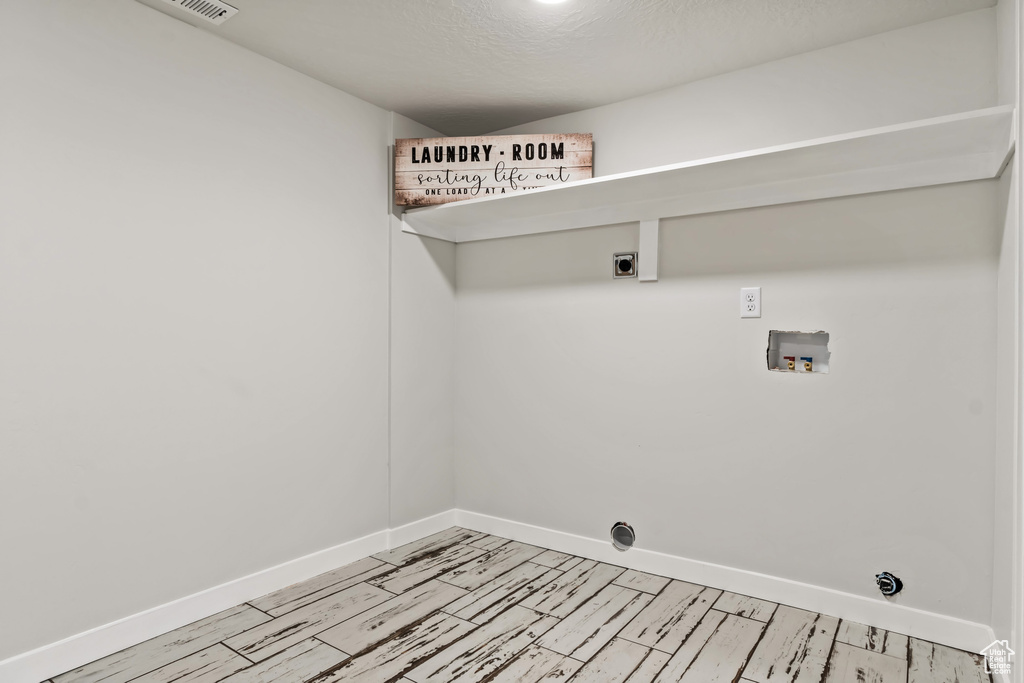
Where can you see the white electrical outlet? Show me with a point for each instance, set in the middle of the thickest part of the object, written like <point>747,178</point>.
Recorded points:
<point>750,302</point>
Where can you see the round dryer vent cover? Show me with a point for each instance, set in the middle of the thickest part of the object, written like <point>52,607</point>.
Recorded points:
<point>623,536</point>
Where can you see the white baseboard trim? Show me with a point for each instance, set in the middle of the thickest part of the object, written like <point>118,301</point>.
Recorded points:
<point>67,654</point>
<point>937,628</point>
<point>70,653</point>
<point>414,531</point>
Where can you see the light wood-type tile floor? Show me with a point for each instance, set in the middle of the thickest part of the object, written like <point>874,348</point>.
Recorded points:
<point>464,606</point>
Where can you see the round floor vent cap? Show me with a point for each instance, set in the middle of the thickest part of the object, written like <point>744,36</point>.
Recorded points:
<point>623,536</point>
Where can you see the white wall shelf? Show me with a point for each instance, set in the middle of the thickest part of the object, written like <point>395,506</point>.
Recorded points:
<point>973,145</point>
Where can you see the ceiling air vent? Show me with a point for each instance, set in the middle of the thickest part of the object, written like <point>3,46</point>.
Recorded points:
<point>213,11</point>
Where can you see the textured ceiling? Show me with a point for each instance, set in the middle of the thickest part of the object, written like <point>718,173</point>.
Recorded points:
<point>472,66</point>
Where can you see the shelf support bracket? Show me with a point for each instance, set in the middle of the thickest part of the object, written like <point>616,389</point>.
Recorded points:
<point>647,266</point>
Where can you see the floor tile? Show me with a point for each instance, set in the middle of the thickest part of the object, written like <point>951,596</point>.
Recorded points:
<point>794,649</point>
<point>380,623</point>
<point>267,639</point>
<point>300,662</point>
<point>157,652</point>
<point>670,617</point>
<point>574,587</point>
<point>850,664</point>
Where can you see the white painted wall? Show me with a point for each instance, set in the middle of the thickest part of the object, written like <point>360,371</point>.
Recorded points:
<point>941,67</point>
<point>1007,543</point>
<point>1008,51</point>
<point>1007,374</point>
<point>422,366</point>
<point>652,403</point>
<point>193,315</point>
<point>582,401</point>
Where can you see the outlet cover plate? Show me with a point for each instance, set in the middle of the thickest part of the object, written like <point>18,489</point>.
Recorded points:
<point>750,302</point>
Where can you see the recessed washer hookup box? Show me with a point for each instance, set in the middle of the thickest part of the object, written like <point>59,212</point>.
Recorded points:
<point>798,352</point>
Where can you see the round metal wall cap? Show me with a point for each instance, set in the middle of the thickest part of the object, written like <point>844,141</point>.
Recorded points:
<point>623,536</point>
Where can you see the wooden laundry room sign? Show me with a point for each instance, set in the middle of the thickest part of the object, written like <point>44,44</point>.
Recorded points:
<point>441,170</point>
